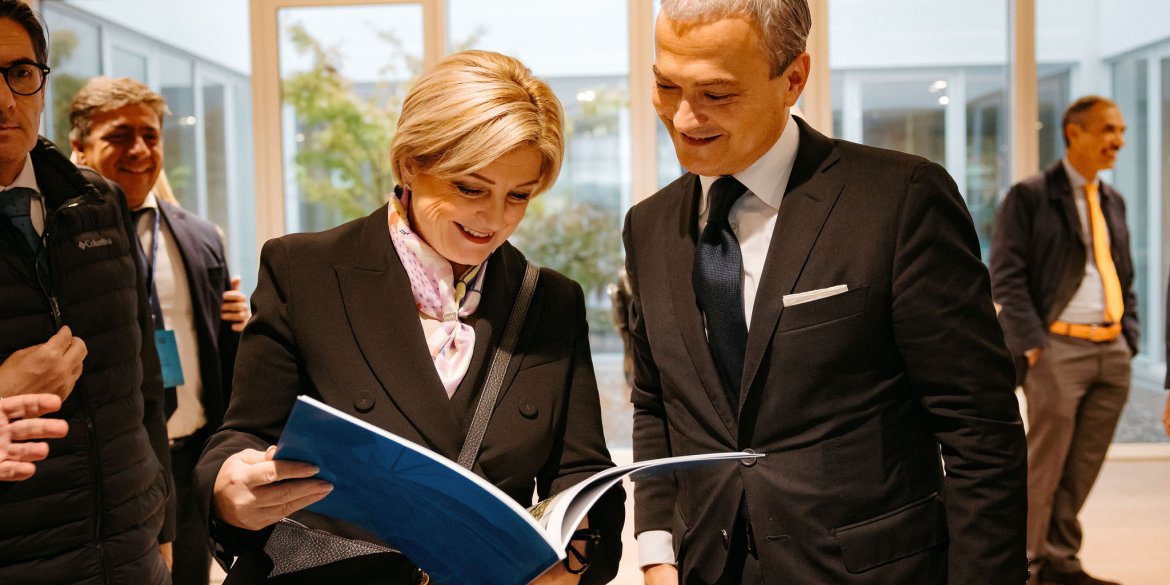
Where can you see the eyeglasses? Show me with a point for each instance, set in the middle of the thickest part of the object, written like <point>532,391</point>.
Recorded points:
<point>25,78</point>
<point>589,539</point>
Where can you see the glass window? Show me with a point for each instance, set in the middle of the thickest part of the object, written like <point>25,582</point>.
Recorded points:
<point>74,56</point>
<point>906,115</point>
<point>575,228</point>
<point>177,80</point>
<point>1052,91</point>
<point>216,148</point>
<point>129,64</point>
<point>344,71</point>
<point>928,78</point>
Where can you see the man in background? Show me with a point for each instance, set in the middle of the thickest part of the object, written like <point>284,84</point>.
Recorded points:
<point>197,310</point>
<point>96,509</point>
<point>1061,268</point>
<point>822,303</point>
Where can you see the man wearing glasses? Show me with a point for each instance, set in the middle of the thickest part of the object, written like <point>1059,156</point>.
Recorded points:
<point>94,508</point>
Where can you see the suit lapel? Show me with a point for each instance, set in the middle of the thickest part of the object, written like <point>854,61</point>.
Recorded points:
<point>812,191</point>
<point>1061,189</point>
<point>680,258</point>
<point>382,314</point>
<point>194,263</point>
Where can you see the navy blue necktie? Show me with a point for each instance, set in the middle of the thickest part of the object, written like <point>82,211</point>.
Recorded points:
<point>716,279</point>
<point>170,394</point>
<point>16,204</point>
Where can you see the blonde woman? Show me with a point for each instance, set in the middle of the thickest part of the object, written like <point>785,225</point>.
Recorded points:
<point>393,318</point>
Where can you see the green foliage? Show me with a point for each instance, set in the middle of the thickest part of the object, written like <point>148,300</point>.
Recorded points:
<point>65,85</point>
<point>579,240</point>
<point>343,141</point>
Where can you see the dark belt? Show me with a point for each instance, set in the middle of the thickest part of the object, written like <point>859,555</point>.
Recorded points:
<point>198,437</point>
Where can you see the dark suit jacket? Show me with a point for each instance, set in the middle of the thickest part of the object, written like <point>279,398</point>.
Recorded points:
<point>335,319</point>
<point>1038,254</point>
<point>207,278</point>
<point>851,396</point>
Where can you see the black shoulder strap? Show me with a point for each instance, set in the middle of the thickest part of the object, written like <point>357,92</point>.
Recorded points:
<point>495,377</point>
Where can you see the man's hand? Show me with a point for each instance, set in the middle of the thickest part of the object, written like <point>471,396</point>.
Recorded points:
<point>1033,355</point>
<point>235,307</point>
<point>19,425</point>
<point>51,367</point>
<point>167,549</point>
<point>253,491</point>
<point>1166,415</point>
<point>660,575</point>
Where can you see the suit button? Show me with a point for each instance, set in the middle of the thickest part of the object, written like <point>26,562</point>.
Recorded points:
<point>748,462</point>
<point>528,408</point>
<point>364,401</point>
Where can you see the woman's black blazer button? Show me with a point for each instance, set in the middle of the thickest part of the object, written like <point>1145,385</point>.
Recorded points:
<point>364,401</point>
<point>748,462</point>
<point>528,408</point>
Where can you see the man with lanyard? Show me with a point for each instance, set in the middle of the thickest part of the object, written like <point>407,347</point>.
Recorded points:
<point>197,310</point>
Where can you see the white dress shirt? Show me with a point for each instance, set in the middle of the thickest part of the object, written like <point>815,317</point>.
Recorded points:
<point>27,178</point>
<point>1088,304</point>
<point>174,296</point>
<point>753,220</point>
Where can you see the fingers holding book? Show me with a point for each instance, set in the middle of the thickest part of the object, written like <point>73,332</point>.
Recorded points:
<point>253,491</point>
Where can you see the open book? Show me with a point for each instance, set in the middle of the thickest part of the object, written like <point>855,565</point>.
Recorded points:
<point>453,524</point>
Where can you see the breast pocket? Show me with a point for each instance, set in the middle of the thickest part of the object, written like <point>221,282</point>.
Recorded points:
<point>824,310</point>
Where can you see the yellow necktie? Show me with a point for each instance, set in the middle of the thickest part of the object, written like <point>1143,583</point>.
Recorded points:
<point>1114,305</point>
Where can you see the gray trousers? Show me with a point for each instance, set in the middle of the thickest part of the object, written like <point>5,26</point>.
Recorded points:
<point>1075,392</point>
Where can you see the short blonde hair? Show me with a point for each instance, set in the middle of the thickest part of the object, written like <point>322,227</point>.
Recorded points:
<point>472,108</point>
<point>103,94</point>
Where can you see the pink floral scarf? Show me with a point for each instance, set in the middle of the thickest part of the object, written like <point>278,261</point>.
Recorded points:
<point>438,296</point>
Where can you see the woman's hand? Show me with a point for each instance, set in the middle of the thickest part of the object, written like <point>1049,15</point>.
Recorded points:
<point>252,491</point>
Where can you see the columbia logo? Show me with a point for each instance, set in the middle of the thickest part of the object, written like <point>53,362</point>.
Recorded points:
<point>98,243</point>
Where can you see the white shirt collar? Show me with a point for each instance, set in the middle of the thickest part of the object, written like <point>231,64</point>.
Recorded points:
<point>1074,178</point>
<point>151,202</point>
<point>27,177</point>
<point>767,178</point>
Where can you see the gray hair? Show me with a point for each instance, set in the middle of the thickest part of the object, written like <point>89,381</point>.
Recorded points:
<point>1078,111</point>
<point>784,24</point>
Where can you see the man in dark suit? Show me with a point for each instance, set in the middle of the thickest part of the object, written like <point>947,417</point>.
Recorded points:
<point>198,311</point>
<point>822,303</point>
<point>1061,268</point>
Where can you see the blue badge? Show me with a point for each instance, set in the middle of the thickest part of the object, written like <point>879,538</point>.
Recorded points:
<point>168,357</point>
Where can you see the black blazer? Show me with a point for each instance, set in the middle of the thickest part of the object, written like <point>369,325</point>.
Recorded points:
<point>1038,254</point>
<point>205,265</point>
<point>335,319</point>
<point>851,396</point>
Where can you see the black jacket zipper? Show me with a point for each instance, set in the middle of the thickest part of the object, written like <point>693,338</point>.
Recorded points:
<point>94,453</point>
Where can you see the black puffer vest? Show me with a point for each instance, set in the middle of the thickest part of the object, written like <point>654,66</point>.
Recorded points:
<point>94,510</point>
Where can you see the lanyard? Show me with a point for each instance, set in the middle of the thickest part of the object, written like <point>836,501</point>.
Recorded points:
<point>152,290</point>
